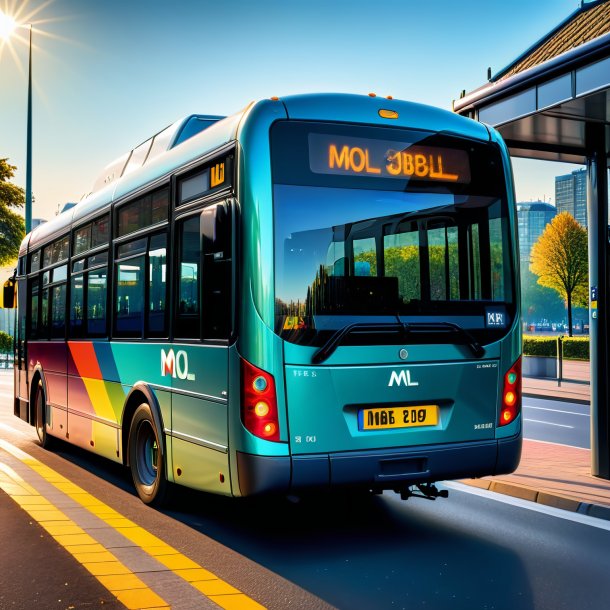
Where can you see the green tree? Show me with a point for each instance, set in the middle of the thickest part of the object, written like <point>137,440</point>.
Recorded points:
<point>6,343</point>
<point>12,225</point>
<point>560,260</point>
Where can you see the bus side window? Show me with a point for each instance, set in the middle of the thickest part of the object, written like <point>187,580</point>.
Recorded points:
<point>188,308</point>
<point>34,306</point>
<point>157,286</point>
<point>217,263</point>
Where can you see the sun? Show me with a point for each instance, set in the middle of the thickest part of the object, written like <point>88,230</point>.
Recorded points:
<point>7,25</point>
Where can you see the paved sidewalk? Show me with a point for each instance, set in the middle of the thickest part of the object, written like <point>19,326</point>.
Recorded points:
<point>574,387</point>
<point>553,474</point>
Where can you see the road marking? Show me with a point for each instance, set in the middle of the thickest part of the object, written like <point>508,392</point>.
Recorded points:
<point>548,423</point>
<point>556,410</point>
<point>66,532</point>
<point>602,524</point>
<point>201,580</point>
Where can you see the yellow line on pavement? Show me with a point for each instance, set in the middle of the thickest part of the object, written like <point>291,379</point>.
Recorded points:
<point>98,560</point>
<point>216,589</point>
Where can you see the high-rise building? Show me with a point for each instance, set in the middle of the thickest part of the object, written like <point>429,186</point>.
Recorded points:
<point>571,195</point>
<point>532,217</point>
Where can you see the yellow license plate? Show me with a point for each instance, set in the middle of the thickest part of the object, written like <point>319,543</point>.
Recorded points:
<point>397,417</point>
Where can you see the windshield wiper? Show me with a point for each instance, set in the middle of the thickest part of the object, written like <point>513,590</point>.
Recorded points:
<point>434,327</point>
<point>405,328</point>
<point>361,327</point>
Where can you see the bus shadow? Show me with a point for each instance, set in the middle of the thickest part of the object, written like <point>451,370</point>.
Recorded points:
<point>352,550</point>
<point>358,551</point>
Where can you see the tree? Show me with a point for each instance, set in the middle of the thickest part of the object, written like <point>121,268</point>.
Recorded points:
<point>12,225</point>
<point>539,302</point>
<point>560,260</point>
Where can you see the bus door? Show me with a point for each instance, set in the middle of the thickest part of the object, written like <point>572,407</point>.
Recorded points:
<point>20,364</point>
<point>203,323</point>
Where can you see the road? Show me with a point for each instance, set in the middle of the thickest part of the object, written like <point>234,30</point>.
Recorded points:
<point>474,550</point>
<point>555,421</point>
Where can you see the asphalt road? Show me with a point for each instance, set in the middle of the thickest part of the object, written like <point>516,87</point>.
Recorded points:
<point>556,421</point>
<point>472,550</point>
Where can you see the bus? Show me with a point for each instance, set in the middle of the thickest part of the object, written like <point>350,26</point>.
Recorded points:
<point>318,292</point>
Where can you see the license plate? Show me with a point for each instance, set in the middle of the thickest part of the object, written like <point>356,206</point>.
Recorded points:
<point>397,417</point>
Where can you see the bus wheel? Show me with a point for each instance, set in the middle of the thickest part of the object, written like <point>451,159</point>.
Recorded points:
<point>40,405</point>
<point>146,459</point>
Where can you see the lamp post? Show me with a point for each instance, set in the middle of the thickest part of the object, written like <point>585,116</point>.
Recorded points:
<point>7,26</point>
<point>28,159</point>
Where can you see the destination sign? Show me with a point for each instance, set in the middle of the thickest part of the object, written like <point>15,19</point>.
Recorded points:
<point>216,175</point>
<point>348,156</point>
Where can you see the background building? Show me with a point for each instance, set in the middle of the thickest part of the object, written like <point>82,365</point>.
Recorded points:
<point>571,195</point>
<point>532,216</point>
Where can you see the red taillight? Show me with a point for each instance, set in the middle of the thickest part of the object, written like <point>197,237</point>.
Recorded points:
<point>511,394</point>
<point>258,402</point>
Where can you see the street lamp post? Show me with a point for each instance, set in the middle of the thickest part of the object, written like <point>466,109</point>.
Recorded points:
<point>7,26</point>
<point>28,160</point>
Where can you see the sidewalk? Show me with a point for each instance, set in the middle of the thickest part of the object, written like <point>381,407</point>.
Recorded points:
<point>553,474</point>
<point>575,384</point>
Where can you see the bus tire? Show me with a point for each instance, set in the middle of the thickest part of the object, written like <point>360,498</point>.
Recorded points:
<point>146,461</point>
<point>40,417</point>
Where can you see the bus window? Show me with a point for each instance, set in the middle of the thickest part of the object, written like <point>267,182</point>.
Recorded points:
<point>44,317</point>
<point>35,262</point>
<point>58,311</point>
<point>189,277</point>
<point>143,212</point>
<point>401,259</point>
<point>76,305</point>
<point>96,302</point>
<point>216,229</point>
<point>443,261</point>
<point>157,286</point>
<point>100,231</point>
<point>34,304</point>
<point>129,302</point>
<point>365,257</point>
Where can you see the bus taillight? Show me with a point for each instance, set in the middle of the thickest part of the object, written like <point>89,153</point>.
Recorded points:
<point>258,402</point>
<point>511,394</point>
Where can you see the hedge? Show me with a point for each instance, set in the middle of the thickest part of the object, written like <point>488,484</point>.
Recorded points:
<point>574,348</point>
<point>6,342</point>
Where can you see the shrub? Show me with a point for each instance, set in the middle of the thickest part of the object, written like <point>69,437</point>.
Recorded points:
<point>6,343</point>
<point>540,346</point>
<point>574,348</point>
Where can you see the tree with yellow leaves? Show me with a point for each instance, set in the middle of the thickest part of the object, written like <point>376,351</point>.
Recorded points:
<point>560,260</point>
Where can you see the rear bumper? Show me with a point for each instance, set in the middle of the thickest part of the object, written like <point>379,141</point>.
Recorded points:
<point>377,469</point>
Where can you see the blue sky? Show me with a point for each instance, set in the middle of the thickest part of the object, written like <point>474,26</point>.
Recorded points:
<point>108,74</point>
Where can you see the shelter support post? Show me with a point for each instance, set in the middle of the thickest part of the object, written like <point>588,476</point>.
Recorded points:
<point>599,294</point>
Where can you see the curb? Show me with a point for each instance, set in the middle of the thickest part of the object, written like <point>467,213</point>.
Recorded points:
<point>542,497</point>
<point>580,401</point>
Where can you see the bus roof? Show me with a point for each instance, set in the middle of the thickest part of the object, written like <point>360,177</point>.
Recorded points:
<point>173,151</point>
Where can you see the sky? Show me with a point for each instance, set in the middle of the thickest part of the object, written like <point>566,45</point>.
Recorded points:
<point>109,74</point>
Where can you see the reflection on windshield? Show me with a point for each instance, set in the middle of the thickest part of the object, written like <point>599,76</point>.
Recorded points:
<point>367,253</point>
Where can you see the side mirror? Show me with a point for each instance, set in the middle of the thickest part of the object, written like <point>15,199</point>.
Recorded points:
<point>214,227</point>
<point>9,292</point>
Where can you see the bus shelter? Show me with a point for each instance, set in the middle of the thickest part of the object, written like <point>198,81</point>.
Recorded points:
<point>553,103</point>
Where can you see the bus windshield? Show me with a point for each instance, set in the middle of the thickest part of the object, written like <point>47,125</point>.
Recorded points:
<point>363,237</point>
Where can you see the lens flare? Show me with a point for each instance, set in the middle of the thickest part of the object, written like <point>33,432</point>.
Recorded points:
<point>7,25</point>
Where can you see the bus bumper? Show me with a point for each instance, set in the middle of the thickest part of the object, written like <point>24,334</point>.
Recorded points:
<point>377,469</point>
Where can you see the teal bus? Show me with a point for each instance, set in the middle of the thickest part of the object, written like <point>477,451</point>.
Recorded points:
<point>318,292</point>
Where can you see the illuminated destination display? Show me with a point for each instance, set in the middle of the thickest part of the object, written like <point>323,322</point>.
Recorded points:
<point>342,155</point>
